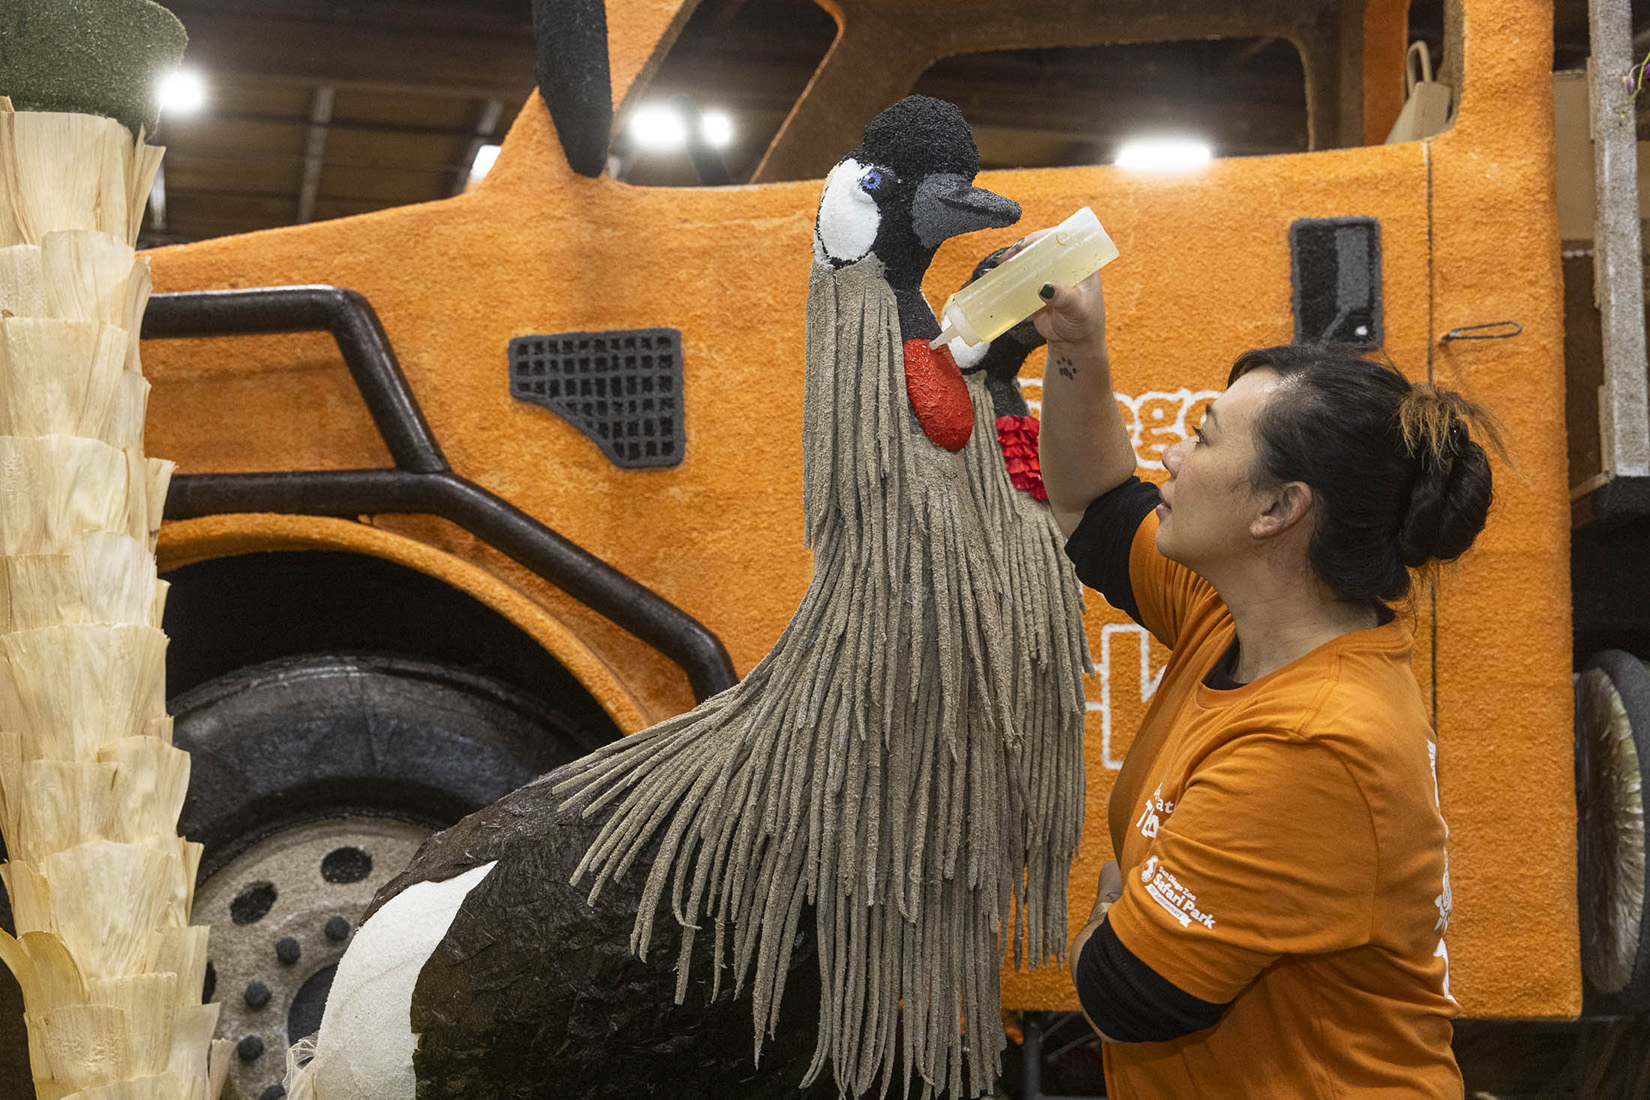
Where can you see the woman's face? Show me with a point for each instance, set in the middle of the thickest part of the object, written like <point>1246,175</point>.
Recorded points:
<point>1209,504</point>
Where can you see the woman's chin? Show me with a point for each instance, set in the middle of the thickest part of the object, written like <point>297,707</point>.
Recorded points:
<point>1167,545</point>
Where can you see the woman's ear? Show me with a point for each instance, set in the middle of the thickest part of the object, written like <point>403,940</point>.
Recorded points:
<point>1284,507</point>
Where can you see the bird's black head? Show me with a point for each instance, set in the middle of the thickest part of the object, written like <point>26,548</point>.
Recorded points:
<point>920,136</point>
<point>905,190</point>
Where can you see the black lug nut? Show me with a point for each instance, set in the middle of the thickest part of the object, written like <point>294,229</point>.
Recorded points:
<point>250,1048</point>
<point>288,951</point>
<point>257,995</point>
<point>338,929</point>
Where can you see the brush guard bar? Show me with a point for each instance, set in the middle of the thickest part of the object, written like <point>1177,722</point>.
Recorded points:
<point>422,482</point>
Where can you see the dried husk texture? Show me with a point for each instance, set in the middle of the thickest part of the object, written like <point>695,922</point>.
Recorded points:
<point>129,795</point>
<point>71,171</point>
<point>90,783</point>
<point>76,275</point>
<point>68,691</point>
<point>56,488</point>
<point>102,577</point>
<point>82,395</point>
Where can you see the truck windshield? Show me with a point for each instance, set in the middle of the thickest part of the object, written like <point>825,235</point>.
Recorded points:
<point>775,101</point>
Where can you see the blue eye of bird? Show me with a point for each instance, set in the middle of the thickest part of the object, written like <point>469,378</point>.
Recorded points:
<point>873,180</point>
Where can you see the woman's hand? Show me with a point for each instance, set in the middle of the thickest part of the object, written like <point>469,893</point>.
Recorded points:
<point>1075,316</point>
<point>1110,889</point>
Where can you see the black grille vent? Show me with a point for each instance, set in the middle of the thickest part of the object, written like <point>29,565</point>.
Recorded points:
<point>623,389</point>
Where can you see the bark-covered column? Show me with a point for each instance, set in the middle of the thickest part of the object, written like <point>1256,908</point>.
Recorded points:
<point>90,783</point>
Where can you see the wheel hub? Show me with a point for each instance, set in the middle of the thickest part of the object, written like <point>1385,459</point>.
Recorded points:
<point>282,913</point>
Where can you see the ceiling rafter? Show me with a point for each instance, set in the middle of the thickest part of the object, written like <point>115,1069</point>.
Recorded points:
<point>315,145</point>
<point>417,87</point>
<point>487,120</point>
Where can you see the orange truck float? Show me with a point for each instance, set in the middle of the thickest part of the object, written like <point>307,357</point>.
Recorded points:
<point>510,474</point>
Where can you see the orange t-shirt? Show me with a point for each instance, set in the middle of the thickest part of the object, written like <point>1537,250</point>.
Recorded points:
<point>1282,848</point>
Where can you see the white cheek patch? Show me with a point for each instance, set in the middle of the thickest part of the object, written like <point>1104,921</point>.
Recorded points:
<point>848,217</point>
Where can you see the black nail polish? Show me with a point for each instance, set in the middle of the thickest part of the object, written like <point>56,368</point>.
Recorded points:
<point>1047,292</point>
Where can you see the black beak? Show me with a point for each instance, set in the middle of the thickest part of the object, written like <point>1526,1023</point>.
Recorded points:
<point>948,206</point>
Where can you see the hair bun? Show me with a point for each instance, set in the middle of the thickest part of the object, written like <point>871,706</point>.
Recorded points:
<point>1449,499</point>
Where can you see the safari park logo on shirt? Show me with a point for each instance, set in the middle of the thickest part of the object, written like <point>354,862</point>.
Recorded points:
<point>1179,902</point>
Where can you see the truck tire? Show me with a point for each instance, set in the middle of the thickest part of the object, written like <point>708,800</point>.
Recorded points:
<point>1612,747</point>
<point>313,781</point>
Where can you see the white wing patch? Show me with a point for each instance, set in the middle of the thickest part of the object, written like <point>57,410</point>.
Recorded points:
<point>365,1047</point>
<point>968,355</point>
<point>848,217</point>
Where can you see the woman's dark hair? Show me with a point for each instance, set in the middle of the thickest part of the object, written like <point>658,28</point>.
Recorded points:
<point>1397,481</point>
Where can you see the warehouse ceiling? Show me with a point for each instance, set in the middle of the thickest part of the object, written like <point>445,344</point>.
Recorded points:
<point>318,110</point>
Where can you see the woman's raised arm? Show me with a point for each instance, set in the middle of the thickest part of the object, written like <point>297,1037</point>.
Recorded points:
<point>1085,450</point>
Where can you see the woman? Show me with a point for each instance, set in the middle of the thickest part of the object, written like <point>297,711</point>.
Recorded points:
<point>1274,923</point>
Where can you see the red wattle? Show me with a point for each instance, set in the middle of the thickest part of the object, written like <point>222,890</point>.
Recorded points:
<point>1018,437</point>
<point>938,395</point>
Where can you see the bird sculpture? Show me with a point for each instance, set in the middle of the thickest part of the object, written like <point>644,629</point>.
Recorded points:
<point>844,825</point>
<point>1044,621</point>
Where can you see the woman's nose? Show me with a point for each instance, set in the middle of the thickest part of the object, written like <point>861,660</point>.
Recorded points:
<point>1172,456</point>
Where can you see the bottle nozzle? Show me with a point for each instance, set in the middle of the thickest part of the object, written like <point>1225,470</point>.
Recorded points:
<point>947,334</point>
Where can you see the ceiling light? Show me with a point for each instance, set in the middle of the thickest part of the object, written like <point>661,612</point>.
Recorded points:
<point>181,92</point>
<point>485,156</point>
<point>658,128</point>
<point>717,128</point>
<point>1163,154</point>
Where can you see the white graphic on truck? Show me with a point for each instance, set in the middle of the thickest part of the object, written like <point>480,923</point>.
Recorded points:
<point>1135,640</point>
<point>1155,420</point>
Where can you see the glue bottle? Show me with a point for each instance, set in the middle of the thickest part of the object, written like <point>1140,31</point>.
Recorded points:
<point>1006,295</point>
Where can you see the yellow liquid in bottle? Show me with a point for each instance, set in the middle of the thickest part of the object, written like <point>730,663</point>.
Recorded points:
<point>1003,297</point>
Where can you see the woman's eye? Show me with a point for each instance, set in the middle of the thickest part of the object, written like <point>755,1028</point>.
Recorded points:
<point>1198,436</point>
